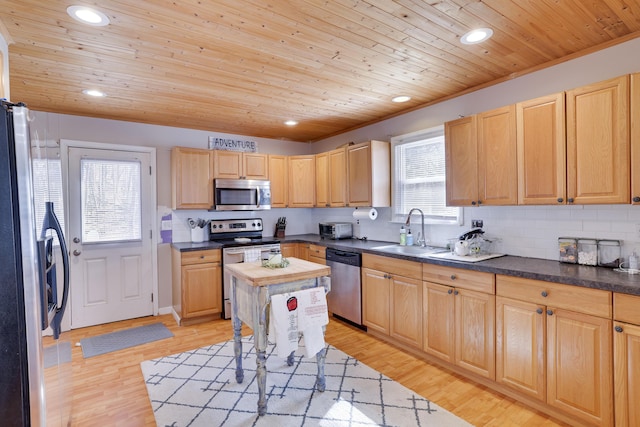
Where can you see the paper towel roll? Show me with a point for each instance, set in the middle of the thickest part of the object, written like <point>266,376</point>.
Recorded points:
<point>371,214</point>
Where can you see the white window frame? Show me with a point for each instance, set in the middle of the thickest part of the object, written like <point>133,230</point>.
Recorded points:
<point>397,213</point>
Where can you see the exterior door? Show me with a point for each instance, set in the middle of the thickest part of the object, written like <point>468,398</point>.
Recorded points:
<point>111,196</point>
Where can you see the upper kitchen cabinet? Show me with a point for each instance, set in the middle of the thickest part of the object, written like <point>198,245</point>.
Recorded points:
<point>635,138</point>
<point>331,181</point>
<point>369,174</point>
<point>497,161</point>
<point>239,165</point>
<point>598,154</point>
<point>278,176</point>
<point>480,153</point>
<point>302,181</point>
<point>461,158</point>
<point>541,147</point>
<point>191,183</point>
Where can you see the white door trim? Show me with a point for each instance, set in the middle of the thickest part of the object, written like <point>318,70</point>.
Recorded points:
<point>65,144</point>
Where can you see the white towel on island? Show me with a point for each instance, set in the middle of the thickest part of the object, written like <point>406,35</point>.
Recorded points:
<point>251,255</point>
<point>302,311</point>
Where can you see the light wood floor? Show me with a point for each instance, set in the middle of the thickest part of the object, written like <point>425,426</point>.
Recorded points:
<point>109,390</point>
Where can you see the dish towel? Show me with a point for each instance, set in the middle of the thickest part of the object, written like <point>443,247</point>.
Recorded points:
<point>251,255</point>
<point>302,311</point>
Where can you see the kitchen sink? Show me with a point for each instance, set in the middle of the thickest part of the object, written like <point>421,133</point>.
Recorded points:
<point>418,251</point>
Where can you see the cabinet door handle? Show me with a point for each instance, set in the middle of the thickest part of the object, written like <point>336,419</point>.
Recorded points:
<point>544,294</point>
<point>570,200</point>
<point>560,200</point>
<point>636,199</point>
<point>453,277</point>
<point>456,292</point>
<point>473,203</point>
<point>539,311</point>
<point>450,291</point>
<point>618,328</point>
<point>201,256</point>
<point>479,202</point>
<point>550,312</point>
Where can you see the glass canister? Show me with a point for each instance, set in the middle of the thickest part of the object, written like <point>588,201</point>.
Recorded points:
<point>609,253</point>
<point>588,251</point>
<point>568,249</point>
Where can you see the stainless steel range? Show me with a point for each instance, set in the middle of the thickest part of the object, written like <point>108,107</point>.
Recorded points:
<point>241,239</point>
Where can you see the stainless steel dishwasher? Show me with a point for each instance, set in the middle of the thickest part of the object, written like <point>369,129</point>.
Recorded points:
<point>345,298</point>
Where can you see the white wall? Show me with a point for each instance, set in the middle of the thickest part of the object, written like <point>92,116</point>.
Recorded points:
<point>520,230</point>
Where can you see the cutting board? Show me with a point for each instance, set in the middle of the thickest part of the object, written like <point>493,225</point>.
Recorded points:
<point>468,258</point>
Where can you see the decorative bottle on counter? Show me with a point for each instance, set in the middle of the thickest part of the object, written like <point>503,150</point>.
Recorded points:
<point>403,236</point>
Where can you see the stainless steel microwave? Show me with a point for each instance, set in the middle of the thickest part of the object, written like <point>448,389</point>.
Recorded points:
<point>241,195</point>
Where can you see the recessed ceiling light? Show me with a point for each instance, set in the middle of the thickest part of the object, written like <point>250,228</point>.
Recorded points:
<point>89,16</point>
<point>94,92</point>
<point>476,36</point>
<point>291,123</point>
<point>401,98</point>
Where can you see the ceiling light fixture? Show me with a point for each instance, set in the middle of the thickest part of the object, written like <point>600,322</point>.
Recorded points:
<point>476,36</point>
<point>89,16</point>
<point>401,98</point>
<point>291,123</point>
<point>94,92</point>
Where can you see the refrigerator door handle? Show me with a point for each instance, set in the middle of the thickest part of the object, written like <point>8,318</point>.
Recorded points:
<point>51,223</point>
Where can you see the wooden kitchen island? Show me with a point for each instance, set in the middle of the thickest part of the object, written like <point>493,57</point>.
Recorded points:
<point>252,287</point>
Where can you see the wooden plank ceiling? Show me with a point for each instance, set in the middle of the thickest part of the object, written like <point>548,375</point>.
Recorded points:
<point>246,66</point>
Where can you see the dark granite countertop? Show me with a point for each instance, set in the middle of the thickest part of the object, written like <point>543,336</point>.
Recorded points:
<point>530,268</point>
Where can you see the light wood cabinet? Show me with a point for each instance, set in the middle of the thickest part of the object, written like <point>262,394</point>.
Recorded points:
<point>317,254</point>
<point>279,178</point>
<point>191,182</point>
<point>289,250</point>
<point>322,180</point>
<point>392,298</point>
<point>196,285</point>
<point>635,138</point>
<point>459,318</point>
<point>240,165</point>
<point>480,154</point>
<point>550,337</point>
<point>626,351</point>
<point>302,181</point>
<point>598,154</point>
<point>369,174</point>
<point>541,150</point>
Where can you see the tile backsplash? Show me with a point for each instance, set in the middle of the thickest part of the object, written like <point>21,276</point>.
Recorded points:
<point>530,231</point>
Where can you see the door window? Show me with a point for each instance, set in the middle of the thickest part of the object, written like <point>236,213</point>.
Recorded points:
<point>110,200</point>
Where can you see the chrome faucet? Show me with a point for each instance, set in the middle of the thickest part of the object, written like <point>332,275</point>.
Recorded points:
<point>421,240</point>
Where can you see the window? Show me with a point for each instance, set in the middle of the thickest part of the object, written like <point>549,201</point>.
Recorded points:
<point>419,177</point>
<point>47,187</point>
<point>111,207</point>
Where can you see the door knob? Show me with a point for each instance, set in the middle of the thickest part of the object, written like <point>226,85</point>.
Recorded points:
<point>76,252</point>
<point>76,240</point>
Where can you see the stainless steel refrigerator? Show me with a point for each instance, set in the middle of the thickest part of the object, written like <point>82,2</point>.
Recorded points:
<point>35,354</point>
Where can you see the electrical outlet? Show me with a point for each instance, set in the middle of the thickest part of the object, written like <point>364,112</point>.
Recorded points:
<point>478,223</point>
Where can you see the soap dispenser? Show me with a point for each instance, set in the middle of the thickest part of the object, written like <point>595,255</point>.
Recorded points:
<point>403,236</point>
<point>409,237</point>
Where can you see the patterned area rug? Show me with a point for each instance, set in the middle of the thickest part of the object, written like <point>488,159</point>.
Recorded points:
<point>198,388</point>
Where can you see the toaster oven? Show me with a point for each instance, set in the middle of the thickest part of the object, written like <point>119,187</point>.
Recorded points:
<point>336,230</point>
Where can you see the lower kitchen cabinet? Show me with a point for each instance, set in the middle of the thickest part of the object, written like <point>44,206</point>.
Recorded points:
<point>392,298</point>
<point>459,325</point>
<point>289,250</point>
<point>554,343</point>
<point>626,363</point>
<point>197,285</point>
<point>318,254</point>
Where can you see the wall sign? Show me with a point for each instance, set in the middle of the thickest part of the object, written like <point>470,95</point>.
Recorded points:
<point>230,144</point>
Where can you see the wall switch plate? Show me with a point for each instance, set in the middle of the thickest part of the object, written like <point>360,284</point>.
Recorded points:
<point>165,225</point>
<point>477,223</point>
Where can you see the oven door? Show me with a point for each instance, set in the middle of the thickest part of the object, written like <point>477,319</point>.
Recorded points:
<point>236,255</point>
